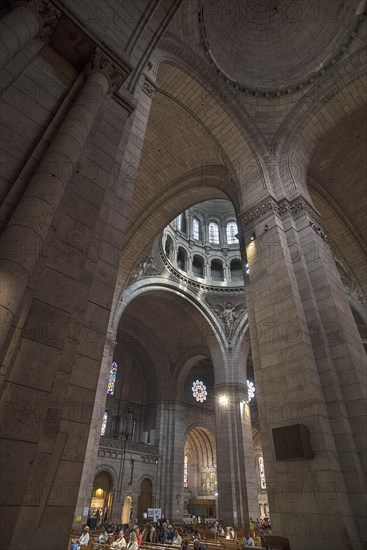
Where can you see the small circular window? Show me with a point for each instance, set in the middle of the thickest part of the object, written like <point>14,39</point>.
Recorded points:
<point>199,391</point>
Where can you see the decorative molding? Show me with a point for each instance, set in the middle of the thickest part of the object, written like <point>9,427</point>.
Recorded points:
<point>128,446</point>
<point>48,15</point>
<point>149,88</point>
<point>123,63</point>
<point>270,205</point>
<point>124,103</point>
<point>349,282</point>
<point>229,314</point>
<point>102,62</point>
<point>196,286</point>
<point>145,268</point>
<point>281,209</point>
<point>299,205</point>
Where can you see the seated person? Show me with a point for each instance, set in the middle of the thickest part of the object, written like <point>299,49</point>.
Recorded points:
<point>177,539</point>
<point>82,541</point>
<point>120,542</point>
<point>103,537</point>
<point>170,534</point>
<point>139,538</point>
<point>247,541</point>
<point>133,543</point>
<point>198,545</point>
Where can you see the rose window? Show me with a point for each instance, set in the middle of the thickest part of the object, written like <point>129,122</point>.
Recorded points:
<point>199,391</point>
<point>250,390</point>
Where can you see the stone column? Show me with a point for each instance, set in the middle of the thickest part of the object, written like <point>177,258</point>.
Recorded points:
<point>170,427</point>
<point>296,383</point>
<point>23,237</point>
<point>227,272</point>
<point>237,484</point>
<point>22,24</point>
<point>91,454</point>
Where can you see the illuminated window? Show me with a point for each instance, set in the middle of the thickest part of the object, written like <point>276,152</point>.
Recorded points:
<point>199,391</point>
<point>185,470</point>
<point>112,379</point>
<point>262,473</point>
<point>213,233</point>
<point>104,423</point>
<point>232,231</point>
<point>250,390</point>
<point>196,229</point>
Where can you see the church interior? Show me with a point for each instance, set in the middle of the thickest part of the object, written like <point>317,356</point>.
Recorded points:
<point>183,282</point>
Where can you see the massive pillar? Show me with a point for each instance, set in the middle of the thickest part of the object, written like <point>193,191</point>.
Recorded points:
<point>127,165</point>
<point>28,226</point>
<point>308,368</point>
<point>171,427</point>
<point>86,482</point>
<point>237,484</point>
<point>50,383</point>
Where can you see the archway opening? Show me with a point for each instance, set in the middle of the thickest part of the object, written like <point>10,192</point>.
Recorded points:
<point>200,474</point>
<point>101,500</point>
<point>145,499</point>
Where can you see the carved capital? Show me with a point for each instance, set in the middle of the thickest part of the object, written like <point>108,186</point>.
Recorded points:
<point>300,205</point>
<point>103,63</point>
<point>281,208</point>
<point>260,210</point>
<point>48,14</point>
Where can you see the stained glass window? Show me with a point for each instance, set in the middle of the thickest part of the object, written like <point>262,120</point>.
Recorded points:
<point>199,391</point>
<point>232,231</point>
<point>104,423</point>
<point>213,233</point>
<point>186,462</point>
<point>262,473</point>
<point>196,229</point>
<point>250,390</point>
<point>112,379</point>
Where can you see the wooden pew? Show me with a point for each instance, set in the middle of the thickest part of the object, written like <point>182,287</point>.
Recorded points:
<point>274,542</point>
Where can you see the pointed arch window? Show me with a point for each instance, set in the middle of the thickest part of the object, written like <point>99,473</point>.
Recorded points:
<point>112,379</point>
<point>186,464</point>
<point>232,231</point>
<point>213,233</point>
<point>104,423</point>
<point>262,473</point>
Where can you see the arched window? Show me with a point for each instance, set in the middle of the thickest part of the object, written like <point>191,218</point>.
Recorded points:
<point>104,423</point>
<point>186,463</point>
<point>196,229</point>
<point>112,379</point>
<point>213,233</point>
<point>198,266</point>
<point>182,222</point>
<point>262,473</point>
<point>181,259</point>
<point>217,270</point>
<point>169,247</point>
<point>232,231</point>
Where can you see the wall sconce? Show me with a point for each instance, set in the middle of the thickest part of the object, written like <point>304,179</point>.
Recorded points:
<point>253,236</point>
<point>223,400</point>
<point>99,493</point>
<point>266,227</point>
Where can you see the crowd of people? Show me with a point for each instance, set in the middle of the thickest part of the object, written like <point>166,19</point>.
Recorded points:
<point>131,537</point>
